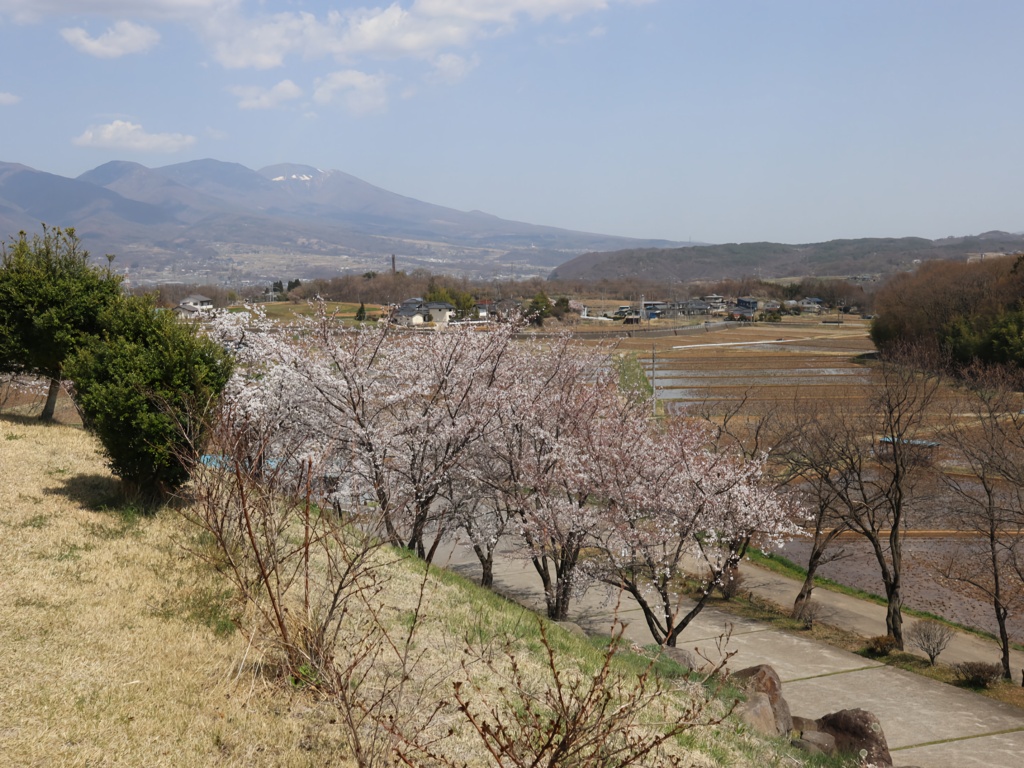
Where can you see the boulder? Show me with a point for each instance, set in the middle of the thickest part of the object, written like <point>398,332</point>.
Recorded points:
<point>857,732</point>
<point>572,628</point>
<point>681,656</point>
<point>801,724</point>
<point>757,713</point>
<point>816,743</point>
<point>764,679</point>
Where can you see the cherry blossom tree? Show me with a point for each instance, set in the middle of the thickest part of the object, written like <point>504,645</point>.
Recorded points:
<point>391,416</point>
<point>678,508</point>
<point>545,462</point>
<point>470,429</point>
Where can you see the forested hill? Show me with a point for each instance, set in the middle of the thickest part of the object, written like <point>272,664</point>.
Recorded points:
<point>734,260</point>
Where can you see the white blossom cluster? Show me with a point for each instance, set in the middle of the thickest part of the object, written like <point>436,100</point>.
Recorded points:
<point>526,446</point>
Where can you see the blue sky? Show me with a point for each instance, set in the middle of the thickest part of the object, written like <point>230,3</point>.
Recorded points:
<point>716,120</point>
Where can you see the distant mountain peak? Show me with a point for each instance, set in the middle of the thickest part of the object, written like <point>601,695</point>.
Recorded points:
<point>292,172</point>
<point>214,220</point>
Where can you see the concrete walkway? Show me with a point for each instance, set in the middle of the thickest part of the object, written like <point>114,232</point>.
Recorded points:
<point>926,723</point>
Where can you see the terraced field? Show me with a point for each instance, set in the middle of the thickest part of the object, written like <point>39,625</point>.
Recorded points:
<point>762,362</point>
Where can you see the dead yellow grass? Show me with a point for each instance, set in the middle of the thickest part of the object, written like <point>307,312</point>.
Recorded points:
<point>95,670</point>
<point>102,660</point>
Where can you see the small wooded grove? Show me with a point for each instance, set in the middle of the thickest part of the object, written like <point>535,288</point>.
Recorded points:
<point>969,311</point>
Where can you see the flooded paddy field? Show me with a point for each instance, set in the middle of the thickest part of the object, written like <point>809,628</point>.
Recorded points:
<point>766,361</point>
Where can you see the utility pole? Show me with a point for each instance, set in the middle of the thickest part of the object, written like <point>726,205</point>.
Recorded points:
<point>654,383</point>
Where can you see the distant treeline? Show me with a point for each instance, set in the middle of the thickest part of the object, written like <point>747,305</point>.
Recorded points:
<point>972,312</point>
<point>387,287</point>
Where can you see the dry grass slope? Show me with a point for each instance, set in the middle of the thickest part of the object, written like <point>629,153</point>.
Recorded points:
<point>97,664</point>
<point>110,652</point>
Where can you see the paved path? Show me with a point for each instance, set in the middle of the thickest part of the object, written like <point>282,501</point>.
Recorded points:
<point>926,723</point>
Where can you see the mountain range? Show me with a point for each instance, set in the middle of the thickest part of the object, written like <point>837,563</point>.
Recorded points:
<point>868,256</point>
<point>212,221</point>
<point>208,221</point>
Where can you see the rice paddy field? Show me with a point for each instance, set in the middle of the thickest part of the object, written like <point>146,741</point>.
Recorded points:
<point>762,361</point>
<point>765,364</point>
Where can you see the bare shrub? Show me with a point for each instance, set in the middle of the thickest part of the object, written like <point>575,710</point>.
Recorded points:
<point>881,645</point>
<point>809,612</point>
<point>312,580</point>
<point>931,637</point>
<point>977,674</point>
<point>607,718</point>
<point>22,393</point>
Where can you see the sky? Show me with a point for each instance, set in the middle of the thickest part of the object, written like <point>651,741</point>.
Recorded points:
<point>705,120</point>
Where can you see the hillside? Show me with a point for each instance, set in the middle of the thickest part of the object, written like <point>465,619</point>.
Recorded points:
<point>118,646</point>
<point>770,260</point>
<point>212,221</point>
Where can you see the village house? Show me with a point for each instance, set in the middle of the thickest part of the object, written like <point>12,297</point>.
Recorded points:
<point>193,305</point>
<point>714,301</point>
<point>695,307</point>
<point>416,311</point>
<point>810,306</point>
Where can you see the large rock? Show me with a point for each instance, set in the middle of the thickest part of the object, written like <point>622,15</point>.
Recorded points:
<point>764,679</point>
<point>858,732</point>
<point>757,713</point>
<point>801,724</point>
<point>816,743</point>
<point>680,656</point>
<point>572,628</point>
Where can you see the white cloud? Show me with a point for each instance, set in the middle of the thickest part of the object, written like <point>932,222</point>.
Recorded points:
<point>361,93</point>
<point>28,11</point>
<point>451,68</point>
<point>261,35</point>
<point>256,97</point>
<point>422,29</point>
<point>265,34</point>
<point>123,38</point>
<point>263,44</point>
<point>506,11</point>
<point>123,135</point>
<point>7,99</point>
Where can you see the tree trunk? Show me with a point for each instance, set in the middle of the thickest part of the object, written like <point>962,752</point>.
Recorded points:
<point>806,590</point>
<point>51,401</point>
<point>486,558</point>
<point>822,541</point>
<point>1004,641</point>
<point>563,592</point>
<point>631,587</point>
<point>894,613</point>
